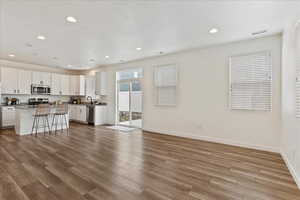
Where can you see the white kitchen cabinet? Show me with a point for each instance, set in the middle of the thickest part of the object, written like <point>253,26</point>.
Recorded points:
<point>8,116</point>
<point>71,112</point>
<point>77,85</point>
<point>9,80</point>
<point>77,112</point>
<point>65,84</point>
<point>15,81</point>
<point>73,85</point>
<point>24,82</point>
<point>101,83</point>
<point>81,113</point>
<point>41,78</point>
<point>100,117</point>
<point>55,84</point>
<point>90,83</point>
<point>60,84</point>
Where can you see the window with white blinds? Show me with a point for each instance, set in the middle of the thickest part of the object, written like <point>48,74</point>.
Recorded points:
<point>251,82</point>
<point>165,83</point>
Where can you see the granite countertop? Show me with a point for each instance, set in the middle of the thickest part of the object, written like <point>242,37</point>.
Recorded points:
<point>31,107</point>
<point>27,106</point>
<point>88,104</point>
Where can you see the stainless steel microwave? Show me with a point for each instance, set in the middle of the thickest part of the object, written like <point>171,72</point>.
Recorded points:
<point>40,89</point>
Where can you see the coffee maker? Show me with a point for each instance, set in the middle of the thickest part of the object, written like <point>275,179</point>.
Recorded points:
<point>11,101</point>
<point>75,100</point>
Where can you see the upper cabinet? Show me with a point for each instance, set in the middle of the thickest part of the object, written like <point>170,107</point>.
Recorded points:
<point>77,85</point>
<point>9,85</point>
<point>101,83</point>
<point>90,83</point>
<point>65,84</point>
<point>60,84</point>
<point>55,84</point>
<point>15,81</point>
<point>24,82</point>
<point>41,78</point>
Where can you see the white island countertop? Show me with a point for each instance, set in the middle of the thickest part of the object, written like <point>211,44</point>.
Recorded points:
<point>24,120</point>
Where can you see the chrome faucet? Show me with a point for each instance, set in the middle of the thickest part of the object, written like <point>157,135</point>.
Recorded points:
<point>91,99</point>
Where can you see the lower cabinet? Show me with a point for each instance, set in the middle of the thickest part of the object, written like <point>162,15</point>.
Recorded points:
<point>77,112</point>
<point>100,117</point>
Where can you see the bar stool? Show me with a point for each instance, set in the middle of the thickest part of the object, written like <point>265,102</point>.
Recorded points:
<point>60,113</point>
<point>41,112</point>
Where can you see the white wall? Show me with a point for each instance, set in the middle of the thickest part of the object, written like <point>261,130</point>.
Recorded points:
<point>202,111</point>
<point>290,143</point>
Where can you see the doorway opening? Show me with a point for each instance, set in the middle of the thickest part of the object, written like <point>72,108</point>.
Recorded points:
<point>129,98</point>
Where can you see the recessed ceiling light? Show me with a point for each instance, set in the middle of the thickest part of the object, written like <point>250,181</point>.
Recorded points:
<point>11,55</point>
<point>213,30</point>
<point>106,56</point>
<point>138,48</point>
<point>41,37</point>
<point>71,19</point>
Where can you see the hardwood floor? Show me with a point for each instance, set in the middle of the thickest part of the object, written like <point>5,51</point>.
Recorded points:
<point>95,163</point>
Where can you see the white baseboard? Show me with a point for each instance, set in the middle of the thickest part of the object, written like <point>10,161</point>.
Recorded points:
<point>216,140</point>
<point>291,168</point>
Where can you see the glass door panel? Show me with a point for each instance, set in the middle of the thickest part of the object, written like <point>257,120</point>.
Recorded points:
<point>136,103</point>
<point>124,101</point>
<point>130,103</point>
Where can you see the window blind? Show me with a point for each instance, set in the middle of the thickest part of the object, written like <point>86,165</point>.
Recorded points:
<point>251,82</point>
<point>165,83</point>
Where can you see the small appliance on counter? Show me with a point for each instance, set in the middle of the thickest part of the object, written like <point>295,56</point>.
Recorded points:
<point>37,101</point>
<point>75,100</point>
<point>11,101</point>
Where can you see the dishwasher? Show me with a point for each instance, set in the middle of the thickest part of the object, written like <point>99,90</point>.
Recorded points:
<point>8,116</point>
<point>90,114</point>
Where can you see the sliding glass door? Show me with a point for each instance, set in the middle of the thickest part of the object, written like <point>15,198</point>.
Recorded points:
<point>129,102</point>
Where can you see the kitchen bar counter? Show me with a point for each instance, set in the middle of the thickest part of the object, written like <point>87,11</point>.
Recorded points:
<point>24,120</point>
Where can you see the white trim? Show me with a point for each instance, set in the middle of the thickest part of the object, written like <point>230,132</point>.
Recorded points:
<point>268,54</point>
<point>215,140</point>
<point>291,168</point>
<point>155,68</point>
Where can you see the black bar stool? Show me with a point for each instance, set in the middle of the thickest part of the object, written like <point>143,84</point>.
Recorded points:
<point>41,112</point>
<point>60,114</point>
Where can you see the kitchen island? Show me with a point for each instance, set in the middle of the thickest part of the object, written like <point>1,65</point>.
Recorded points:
<point>24,120</point>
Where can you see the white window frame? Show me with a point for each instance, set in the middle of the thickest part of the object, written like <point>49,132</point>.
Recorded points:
<point>157,87</point>
<point>270,79</point>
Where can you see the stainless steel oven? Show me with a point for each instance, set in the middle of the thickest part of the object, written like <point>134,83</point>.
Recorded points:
<point>40,89</point>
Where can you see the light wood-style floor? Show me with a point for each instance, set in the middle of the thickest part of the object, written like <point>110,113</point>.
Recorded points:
<point>101,164</point>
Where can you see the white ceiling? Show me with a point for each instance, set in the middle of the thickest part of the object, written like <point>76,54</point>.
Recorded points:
<point>117,28</point>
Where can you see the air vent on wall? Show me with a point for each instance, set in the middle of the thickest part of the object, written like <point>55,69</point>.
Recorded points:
<point>259,32</point>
